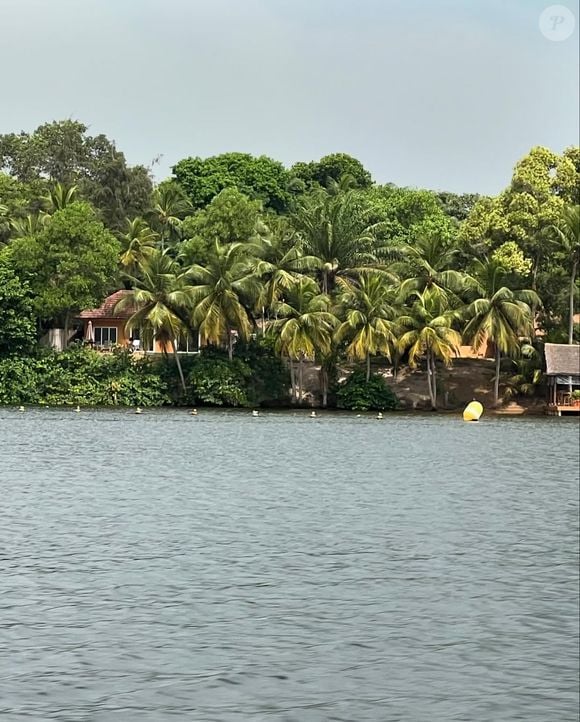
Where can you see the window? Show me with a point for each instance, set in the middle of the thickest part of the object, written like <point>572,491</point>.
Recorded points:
<point>189,344</point>
<point>105,336</point>
<point>137,335</point>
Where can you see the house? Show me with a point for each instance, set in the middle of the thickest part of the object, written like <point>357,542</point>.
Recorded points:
<point>485,350</point>
<point>563,377</point>
<point>104,327</point>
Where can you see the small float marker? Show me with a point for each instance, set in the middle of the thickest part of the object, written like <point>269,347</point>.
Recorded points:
<point>193,412</point>
<point>379,416</point>
<point>313,415</point>
<point>78,409</point>
<point>255,413</point>
<point>138,410</point>
<point>21,408</point>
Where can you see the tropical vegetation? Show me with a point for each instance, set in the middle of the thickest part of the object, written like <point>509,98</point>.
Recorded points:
<point>286,273</point>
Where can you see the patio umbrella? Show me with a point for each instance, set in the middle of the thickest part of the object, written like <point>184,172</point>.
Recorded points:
<point>89,332</point>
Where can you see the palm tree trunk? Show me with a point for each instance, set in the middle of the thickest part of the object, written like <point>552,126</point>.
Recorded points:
<point>497,370</point>
<point>572,289</point>
<point>178,363</point>
<point>324,385</point>
<point>292,381</point>
<point>300,378</point>
<point>430,382</point>
<point>434,376</point>
<point>230,345</point>
<point>368,367</point>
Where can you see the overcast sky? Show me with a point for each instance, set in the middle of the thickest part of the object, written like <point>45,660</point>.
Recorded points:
<point>444,94</point>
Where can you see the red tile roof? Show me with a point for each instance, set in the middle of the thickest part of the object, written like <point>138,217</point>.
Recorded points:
<point>107,308</point>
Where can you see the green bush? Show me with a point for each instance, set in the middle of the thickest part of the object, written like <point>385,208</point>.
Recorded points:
<point>80,376</point>
<point>218,382</point>
<point>358,394</point>
<point>269,379</point>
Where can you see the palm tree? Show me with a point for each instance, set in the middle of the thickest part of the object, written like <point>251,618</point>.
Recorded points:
<point>170,206</point>
<point>567,233</point>
<point>138,242</point>
<point>161,300</point>
<point>335,235</point>
<point>223,292</point>
<point>303,329</point>
<point>429,262</point>
<point>368,325</point>
<point>427,331</point>
<point>29,225</point>
<point>498,314</point>
<point>277,259</point>
<point>60,196</point>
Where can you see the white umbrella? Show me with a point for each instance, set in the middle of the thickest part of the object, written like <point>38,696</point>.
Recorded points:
<point>90,333</point>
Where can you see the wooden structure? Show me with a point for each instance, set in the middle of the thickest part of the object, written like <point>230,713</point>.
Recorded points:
<point>105,328</point>
<point>563,376</point>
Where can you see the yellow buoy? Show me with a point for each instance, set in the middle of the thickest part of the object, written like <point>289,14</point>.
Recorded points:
<point>472,411</point>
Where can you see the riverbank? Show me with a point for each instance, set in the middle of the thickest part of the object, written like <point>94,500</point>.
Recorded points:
<point>255,378</point>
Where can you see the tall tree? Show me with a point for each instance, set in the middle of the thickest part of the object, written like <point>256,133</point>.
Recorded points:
<point>368,327</point>
<point>63,152</point>
<point>170,206</point>
<point>17,327</point>
<point>259,178</point>
<point>427,331</point>
<point>498,314</point>
<point>567,233</point>
<point>161,299</point>
<point>332,168</point>
<point>335,235</point>
<point>69,264</point>
<point>303,329</point>
<point>429,265</point>
<point>138,242</point>
<point>223,292</point>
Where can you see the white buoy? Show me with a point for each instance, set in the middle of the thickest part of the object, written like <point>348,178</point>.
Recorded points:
<point>78,409</point>
<point>138,410</point>
<point>21,408</point>
<point>255,413</point>
<point>193,412</point>
<point>379,415</point>
<point>313,415</point>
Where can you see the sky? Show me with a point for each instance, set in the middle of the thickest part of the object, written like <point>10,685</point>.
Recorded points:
<point>441,94</point>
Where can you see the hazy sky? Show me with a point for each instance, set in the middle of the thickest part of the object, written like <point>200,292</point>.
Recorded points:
<point>444,94</point>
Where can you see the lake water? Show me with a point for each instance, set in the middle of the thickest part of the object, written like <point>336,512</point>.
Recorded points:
<point>282,569</point>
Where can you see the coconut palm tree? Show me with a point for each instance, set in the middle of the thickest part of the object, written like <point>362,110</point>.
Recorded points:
<point>498,314</point>
<point>368,326</point>
<point>428,264</point>
<point>138,242</point>
<point>335,235</point>
<point>224,291</point>
<point>277,259</point>
<point>170,206</point>
<point>427,331</point>
<point>303,329</point>
<point>161,301</point>
<point>567,233</point>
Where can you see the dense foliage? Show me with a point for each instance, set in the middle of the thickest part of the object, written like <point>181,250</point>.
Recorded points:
<point>318,261</point>
<point>359,394</point>
<point>80,376</point>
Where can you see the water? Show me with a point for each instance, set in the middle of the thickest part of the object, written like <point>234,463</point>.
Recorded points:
<point>283,569</point>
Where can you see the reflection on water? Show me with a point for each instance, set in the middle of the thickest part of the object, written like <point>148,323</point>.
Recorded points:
<point>221,568</point>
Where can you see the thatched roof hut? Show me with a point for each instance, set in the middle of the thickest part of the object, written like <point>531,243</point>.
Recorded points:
<point>562,359</point>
